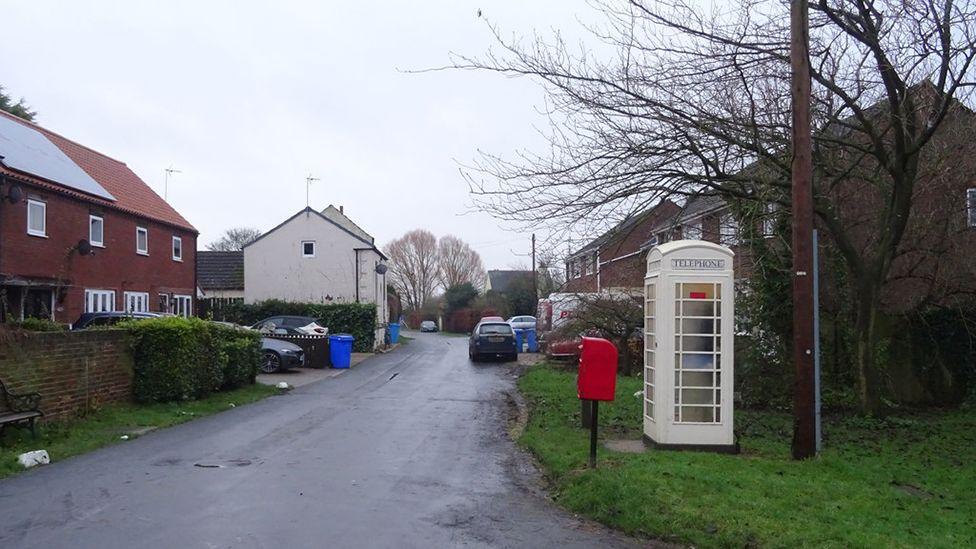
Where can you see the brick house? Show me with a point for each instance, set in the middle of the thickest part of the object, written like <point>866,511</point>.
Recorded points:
<point>62,199</point>
<point>616,259</point>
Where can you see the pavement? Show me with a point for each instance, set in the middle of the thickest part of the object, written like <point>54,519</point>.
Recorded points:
<point>408,450</point>
<point>297,377</point>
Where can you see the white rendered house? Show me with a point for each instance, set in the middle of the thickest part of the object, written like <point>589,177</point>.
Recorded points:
<point>317,257</point>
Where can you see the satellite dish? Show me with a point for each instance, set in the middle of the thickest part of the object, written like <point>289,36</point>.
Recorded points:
<point>381,268</point>
<point>84,247</point>
<point>15,194</point>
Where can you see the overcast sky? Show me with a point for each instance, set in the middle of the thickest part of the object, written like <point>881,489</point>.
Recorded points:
<point>247,98</point>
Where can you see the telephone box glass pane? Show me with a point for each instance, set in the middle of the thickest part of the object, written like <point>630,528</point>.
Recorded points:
<point>696,379</point>
<point>697,326</point>
<point>697,362</point>
<point>698,414</point>
<point>698,290</point>
<point>697,396</point>
<point>699,308</point>
<point>697,343</point>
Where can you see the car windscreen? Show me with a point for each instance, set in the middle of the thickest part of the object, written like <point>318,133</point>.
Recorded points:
<point>502,329</point>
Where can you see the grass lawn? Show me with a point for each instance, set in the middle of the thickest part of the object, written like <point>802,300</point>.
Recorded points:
<point>907,481</point>
<point>108,424</point>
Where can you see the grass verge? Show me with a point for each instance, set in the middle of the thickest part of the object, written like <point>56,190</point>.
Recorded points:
<point>906,481</point>
<point>107,425</point>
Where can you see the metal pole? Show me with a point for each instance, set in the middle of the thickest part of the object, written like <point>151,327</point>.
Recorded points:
<point>535,274</point>
<point>804,426</point>
<point>816,337</point>
<point>593,424</point>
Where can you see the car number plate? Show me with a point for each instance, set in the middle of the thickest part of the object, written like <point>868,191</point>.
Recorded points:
<point>496,339</point>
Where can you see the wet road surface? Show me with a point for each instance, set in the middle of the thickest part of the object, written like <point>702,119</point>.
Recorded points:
<point>410,449</point>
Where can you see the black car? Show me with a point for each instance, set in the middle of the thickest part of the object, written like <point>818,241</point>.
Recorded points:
<point>106,318</point>
<point>492,339</point>
<point>284,324</point>
<point>278,355</point>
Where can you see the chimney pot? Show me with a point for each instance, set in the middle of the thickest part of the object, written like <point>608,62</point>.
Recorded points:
<point>340,210</point>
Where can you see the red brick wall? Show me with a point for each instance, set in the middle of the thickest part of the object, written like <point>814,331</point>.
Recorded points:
<point>117,266</point>
<point>75,372</point>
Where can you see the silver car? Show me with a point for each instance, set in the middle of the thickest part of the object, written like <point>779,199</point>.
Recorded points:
<point>522,322</point>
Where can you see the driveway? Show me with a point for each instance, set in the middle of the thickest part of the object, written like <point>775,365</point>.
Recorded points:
<point>408,450</point>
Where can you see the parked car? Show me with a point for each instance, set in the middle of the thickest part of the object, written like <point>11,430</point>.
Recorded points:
<point>107,318</point>
<point>563,348</point>
<point>428,326</point>
<point>523,322</point>
<point>492,339</point>
<point>290,325</point>
<point>278,355</point>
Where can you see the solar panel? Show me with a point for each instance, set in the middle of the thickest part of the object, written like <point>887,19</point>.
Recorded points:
<point>28,150</point>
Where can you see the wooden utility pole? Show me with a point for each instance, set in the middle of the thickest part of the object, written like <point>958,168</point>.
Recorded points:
<point>804,423</point>
<point>535,273</point>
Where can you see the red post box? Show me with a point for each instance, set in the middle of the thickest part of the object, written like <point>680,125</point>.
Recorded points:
<point>597,378</point>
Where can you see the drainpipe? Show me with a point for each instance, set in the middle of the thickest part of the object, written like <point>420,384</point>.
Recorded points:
<point>357,273</point>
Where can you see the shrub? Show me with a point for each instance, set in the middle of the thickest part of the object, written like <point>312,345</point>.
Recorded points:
<point>187,358</point>
<point>38,325</point>
<point>356,319</point>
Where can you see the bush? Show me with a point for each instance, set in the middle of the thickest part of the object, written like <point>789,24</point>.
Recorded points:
<point>356,319</point>
<point>38,325</point>
<point>181,359</point>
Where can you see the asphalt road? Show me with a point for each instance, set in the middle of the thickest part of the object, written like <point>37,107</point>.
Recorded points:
<point>410,449</point>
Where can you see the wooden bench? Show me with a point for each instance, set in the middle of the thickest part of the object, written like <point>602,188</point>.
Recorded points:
<point>18,409</point>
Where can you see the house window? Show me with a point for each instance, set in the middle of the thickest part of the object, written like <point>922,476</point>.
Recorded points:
<point>98,301</point>
<point>574,268</point>
<point>728,230</point>
<point>164,303</point>
<point>36,218</point>
<point>142,241</point>
<point>177,248</point>
<point>96,230</point>
<point>136,302</point>
<point>308,248</point>
<point>971,207</point>
<point>183,305</point>
<point>692,231</point>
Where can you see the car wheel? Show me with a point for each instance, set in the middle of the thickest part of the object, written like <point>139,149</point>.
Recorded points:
<point>473,357</point>
<point>271,362</point>
<point>513,357</point>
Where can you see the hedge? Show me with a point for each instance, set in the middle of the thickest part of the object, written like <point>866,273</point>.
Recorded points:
<point>188,358</point>
<point>356,319</point>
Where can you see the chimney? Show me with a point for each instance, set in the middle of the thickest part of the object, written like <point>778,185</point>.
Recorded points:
<point>340,210</point>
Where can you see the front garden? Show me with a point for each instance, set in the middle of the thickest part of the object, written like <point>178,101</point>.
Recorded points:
<point>905,481</point>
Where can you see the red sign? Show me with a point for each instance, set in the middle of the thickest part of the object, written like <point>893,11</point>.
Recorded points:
<point>698,295</point>
<point>597,378</point>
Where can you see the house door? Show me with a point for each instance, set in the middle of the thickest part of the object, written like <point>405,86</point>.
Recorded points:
<point>38,303</point>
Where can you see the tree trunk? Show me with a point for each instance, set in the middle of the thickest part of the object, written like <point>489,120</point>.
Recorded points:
<point>623,360</point>
<point>866,346</point>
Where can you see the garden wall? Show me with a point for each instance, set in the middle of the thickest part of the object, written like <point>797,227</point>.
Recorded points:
<point>73,371</point>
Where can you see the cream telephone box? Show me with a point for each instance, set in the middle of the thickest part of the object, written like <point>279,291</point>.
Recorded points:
<point>688,333</point>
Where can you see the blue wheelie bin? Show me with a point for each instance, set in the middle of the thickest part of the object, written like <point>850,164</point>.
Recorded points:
<point>519,338</point>
<point>340,350</point>
<point>394,332</point>
<point>530,340</point>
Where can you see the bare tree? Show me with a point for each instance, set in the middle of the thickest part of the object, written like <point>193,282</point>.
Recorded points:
<point>234,239</point>
<point>459,263</point>
<point>697,100</point>
<point>617,317</point>
<point>414,266</point>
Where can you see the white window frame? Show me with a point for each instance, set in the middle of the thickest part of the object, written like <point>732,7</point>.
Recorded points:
<point>144,231</point>
<point>182,305</point>
<point>312,242</point>
<point>692,228</point>
<point>100,243</point>
<point>177,243</point>
<point>728,230</point>
<point>971,208</point>
<point>97,301</point>
<point>33,232</point>
<point>135,302</point>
